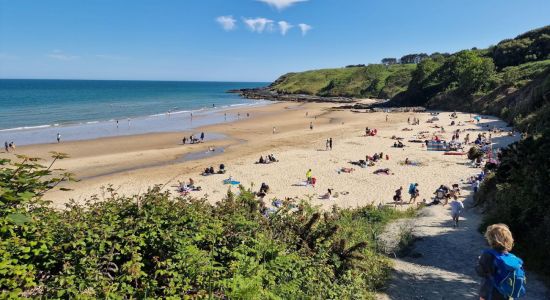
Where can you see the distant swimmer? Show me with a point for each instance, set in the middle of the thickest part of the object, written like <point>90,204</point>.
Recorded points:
<point>58,138</point>
<point>213,105</point>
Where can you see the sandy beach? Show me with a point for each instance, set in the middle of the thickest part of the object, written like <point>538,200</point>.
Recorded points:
<point>134,163</point>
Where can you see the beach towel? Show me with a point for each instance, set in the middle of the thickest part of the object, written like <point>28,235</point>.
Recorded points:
<point>232,182</point>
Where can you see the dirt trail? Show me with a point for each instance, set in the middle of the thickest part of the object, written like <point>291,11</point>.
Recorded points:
<point>441,262</point>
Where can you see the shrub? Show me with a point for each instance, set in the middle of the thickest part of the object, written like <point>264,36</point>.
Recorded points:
<point>153,245</point>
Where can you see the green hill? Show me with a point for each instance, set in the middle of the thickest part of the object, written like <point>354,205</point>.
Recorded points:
<point>376,81</point>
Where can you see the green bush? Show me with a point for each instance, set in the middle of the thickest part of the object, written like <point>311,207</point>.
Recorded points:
<point>517,195</point>
<point>156,246</point>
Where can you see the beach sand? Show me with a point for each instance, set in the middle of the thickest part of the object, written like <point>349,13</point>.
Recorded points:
<point>134,163</point>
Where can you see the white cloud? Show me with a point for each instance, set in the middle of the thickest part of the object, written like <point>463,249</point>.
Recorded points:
<point>59,55</point>
<point>284,27</point>
<point>259,24</point>
<point>304,28</point>
<point>281,4</point>
<point>227,22</point>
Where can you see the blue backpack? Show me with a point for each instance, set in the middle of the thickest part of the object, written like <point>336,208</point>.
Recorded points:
<point>509,278</point>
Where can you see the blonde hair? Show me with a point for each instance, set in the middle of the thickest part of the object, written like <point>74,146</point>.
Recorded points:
<point>499,237</point>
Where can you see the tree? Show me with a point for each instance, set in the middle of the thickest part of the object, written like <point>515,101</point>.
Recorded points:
<point>389,61</point>
<point>413,58</point>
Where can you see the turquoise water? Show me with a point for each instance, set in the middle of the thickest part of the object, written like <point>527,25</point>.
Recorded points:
<point>34,111</point>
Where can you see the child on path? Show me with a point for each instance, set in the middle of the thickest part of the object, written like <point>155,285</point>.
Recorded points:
<point>456,210</point>
<point>495,266</point>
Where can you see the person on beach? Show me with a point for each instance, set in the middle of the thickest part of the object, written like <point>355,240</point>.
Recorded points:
<point>398,195</point>
<point>386,118</point>
<point>12,146</point>
<point>225,116</point>
<point>456,210</point>
<point>202,136</point>
<point>184,140</point>
<point>330,143</point>
<point>326,145</point>
<point>274,129</point>
<point>116,123</point>
<point>501,271</point>
<point>309,175</point>
<point>413,191</point>
<point>6,146</point>
<point>58,138</point>
<point>310,125</point>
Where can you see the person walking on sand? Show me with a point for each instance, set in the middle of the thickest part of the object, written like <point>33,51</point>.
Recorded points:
<point>502,272</point>
<point>310,125</point>
<point>7,147</point>
<point>274,130</point>
<point>309,176</point>
<point>326,145</point>
<point>202,136</point>
<point>12,146</point>
<point>58,138</point>
<point>413,191</point>
<point>330,143</point>
<point>456,210</point>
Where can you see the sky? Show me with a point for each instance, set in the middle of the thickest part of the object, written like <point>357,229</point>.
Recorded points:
<point>241,40</point>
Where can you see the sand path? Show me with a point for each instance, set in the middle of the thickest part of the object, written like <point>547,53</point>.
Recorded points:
<point>441,262</point>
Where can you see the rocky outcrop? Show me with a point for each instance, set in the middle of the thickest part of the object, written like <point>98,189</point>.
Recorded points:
<point>266,93</point>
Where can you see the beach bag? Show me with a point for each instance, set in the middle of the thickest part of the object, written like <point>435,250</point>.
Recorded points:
<point>509,278</point>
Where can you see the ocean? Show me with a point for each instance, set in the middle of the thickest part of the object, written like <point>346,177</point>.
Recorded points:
<point>34,111</point>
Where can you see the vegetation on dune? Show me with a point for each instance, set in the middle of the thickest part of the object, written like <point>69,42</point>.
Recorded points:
<point>376,81</point>
<point>156,246</point>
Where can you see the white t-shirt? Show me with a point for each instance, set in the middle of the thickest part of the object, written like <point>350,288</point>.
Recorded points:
<point>456,207</point>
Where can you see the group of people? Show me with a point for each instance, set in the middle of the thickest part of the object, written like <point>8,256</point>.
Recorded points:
<point>193,140</point>
<point>211,171</point>
<point>9,146</point>
<point>328,144</point>
<point>268,159</point>
<point>184,188</point>
<point>415,121</point>
<point>370,132</point>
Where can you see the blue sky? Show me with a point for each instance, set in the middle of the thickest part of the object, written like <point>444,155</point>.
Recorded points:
<point>241,40</point>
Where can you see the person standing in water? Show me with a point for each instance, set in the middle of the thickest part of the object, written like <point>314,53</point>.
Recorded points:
<point>202,136</point>
<point>6,146</point>
<point>117,123</point>
<point>58,138</point>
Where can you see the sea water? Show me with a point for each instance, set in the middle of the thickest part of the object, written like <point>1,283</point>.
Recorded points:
<point>34,111</point>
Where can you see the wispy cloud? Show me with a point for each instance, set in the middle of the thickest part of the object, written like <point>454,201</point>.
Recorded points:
<point>281,4</point>
<point>111,57</point>
<point>259,24</point>
<point>284,27</point>
<point>304,28</point>
<point>228,23</point>
<point>59,55</point>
